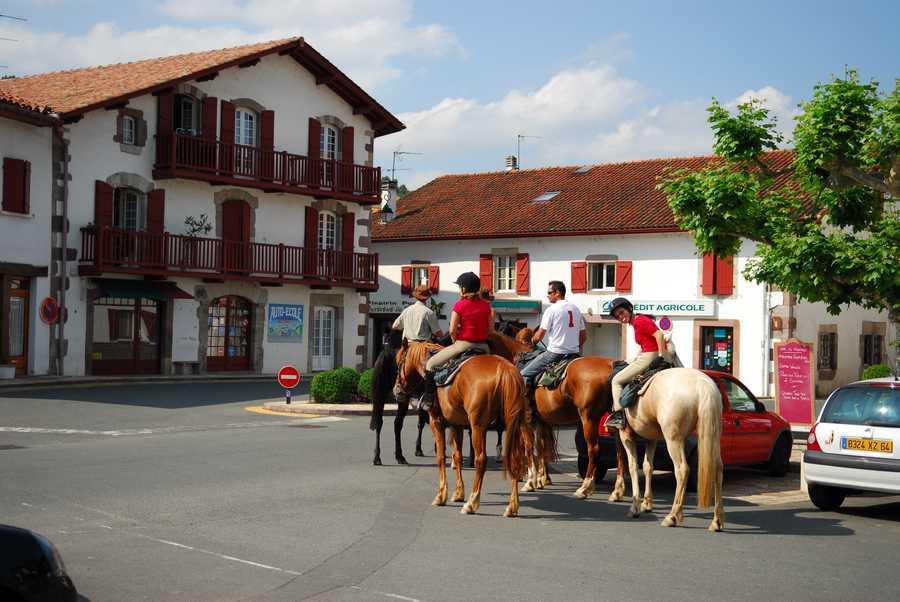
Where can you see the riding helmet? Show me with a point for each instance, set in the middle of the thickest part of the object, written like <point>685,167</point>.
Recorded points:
<point>620,302</point>
<point>469,282</point>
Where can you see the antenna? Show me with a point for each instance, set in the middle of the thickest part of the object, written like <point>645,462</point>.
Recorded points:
<point>519,147</point>
<point>397,153</point>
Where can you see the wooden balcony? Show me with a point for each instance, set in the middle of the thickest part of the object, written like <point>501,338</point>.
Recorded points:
<point>196,158</point>
<point>106,250</point>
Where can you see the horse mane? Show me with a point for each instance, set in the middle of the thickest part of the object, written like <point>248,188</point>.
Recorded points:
<point>524,336</point>
<point>505,346</point>
<point>414,356</point>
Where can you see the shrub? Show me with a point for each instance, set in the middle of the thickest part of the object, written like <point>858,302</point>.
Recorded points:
<point>334,386</point>
<point>876,371</point>
<point>364,387</point>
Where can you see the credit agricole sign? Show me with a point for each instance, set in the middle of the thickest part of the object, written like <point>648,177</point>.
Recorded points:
<point>666,307</point>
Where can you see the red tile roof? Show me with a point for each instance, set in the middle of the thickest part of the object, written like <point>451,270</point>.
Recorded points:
<point>614,198</point>
<point>76,91</point>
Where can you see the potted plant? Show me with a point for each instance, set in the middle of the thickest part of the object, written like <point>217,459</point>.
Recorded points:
<point>194,227</point>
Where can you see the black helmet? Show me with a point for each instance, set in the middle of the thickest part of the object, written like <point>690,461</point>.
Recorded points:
<point>469,282</point>
<point>620,302</point>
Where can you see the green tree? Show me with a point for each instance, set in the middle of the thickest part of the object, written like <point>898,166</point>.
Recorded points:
<point>828,227</point>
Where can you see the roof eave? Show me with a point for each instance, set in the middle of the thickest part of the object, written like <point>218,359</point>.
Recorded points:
<point>25,115</point>
<point>547,234</point>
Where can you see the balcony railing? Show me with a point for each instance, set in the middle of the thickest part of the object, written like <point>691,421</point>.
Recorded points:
<point>184,155</point>
<point>114,250</point>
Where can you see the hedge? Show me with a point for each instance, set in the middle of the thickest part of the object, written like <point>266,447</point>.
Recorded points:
<point>364,387</point>
<point>876,371</point>
<point>334,386</point>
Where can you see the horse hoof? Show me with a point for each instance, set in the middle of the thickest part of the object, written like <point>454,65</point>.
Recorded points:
<point>581,495</point>
<point>420,453</point>
<point>510,513</point>
<point>459,498</point>
<point>527,488</point>
<point>467,509</point>
<point>668,522</point>
<point>376,462</point>
<point>646,507</point>
<point>438,502</point>
<point>615,497</point>
<point>401,460</point>
<point>716,527</point>
<point>633,514</point>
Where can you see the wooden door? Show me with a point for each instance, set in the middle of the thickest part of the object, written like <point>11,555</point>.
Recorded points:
<point>18,324</point>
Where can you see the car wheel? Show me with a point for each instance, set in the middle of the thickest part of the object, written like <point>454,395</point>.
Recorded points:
<point>825,497</point>
<point>693,465</point>
<point>780,462</point>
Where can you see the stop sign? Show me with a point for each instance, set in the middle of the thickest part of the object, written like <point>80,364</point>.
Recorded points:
<point>288,377</point>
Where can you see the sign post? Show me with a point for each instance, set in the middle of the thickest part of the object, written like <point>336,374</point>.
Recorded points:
<point>795,398</point>
<point>288,378</point>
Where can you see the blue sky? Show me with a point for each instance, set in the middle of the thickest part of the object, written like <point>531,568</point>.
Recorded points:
<point>598,81</point>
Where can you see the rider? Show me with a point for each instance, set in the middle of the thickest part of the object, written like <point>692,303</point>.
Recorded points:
<point>651,341</point>
<point>565,327</point>
<point>419,323</point>
<point>469,328</point>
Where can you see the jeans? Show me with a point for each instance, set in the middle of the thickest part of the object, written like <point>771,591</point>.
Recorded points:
<point>537,365</point>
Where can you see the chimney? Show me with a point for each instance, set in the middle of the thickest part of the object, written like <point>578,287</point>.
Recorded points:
<point>512,163</point>
<point>388,200</point>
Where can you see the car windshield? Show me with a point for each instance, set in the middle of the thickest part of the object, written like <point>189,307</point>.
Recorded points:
<point>874,406</point>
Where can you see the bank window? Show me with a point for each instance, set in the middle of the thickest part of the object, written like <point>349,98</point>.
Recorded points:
<point>602,275</point>
<point>827,353</point>
<point>419,275</point>
<point>504,272</point>
<point>872,349</point>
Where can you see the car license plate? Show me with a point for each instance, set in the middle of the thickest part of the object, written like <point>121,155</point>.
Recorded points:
<point>885,446</point>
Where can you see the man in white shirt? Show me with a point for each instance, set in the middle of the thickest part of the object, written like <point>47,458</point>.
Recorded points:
<point>563,326</point>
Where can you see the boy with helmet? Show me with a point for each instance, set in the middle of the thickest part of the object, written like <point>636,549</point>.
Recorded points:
<point>470,324</point>
<point>652,343</point>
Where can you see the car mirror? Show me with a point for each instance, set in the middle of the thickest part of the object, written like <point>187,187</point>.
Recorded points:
<point>760,407</point>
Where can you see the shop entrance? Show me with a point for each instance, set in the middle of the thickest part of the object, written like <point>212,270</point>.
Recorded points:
<point>17,352</point>
<point>228,335</point>
<point>126,336</point>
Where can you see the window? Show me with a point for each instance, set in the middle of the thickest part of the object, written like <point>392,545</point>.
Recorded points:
<point>419,275</point>
<point>327,230</point>
<point>187,114</point>
<point>245,127</point>
<point>128,209</point>
<point>504,272</point>
<point>602,275</point>
<point>872,349</point>
<point>128,130</point>
<point>827,352</point>
<point>546,196</point>
<point>741,399</point>
<point>328,143</point>
<point>121,327</point>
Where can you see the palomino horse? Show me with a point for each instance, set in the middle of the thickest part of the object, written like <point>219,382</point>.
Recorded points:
<point>676,403</point>
<point>581,398</point>
<point>485,388</point>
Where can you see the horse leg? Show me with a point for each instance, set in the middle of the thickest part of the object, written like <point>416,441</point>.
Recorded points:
<point>471,450</point>
<point>459,494</point>
<point>682,470</point>
<point>718,522</point>
<point>618,490</point>
<point>437,430</point>
<point>631,449</point>
<point>541,477</point>
<point>499,442</point>
<point>377,460</point>
<point>589,428</point>
<point>479,441</point>
<point>647,504</point>
<point>423,420</point>
<point>402,407</point>
<point>528,435</point>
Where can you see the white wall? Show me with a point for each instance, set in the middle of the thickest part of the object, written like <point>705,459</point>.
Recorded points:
<point>26,238</point>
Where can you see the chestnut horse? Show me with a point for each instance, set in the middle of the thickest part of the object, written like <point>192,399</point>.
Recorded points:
<point>581,398</point>
<point>485,388</point>
<point>676,403</point>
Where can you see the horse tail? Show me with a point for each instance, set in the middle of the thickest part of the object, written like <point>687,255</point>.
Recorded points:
<point>709,435</point>
<point>512,393</point>
<point>384,375</point>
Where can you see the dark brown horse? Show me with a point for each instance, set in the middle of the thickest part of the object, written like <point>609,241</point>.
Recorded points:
<point>486,388</point>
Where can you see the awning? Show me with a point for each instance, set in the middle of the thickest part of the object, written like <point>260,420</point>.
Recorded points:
<point>147,289</point>
<point>515,306</point>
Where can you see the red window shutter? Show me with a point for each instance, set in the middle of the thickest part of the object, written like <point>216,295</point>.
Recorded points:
<point>156,211</point>
<point>267,130</point>
<point>348,228</point>
<point>434,279</point>
<point>347,145</point>
<point>623,276</point>
<point>486,271</point>
<point>523,279</point>
<point>227,126</point>
<point>16,185</point>
<point>315,133</point>
<point>708,274</point>
<point>311,233</point>
<point>579,276</point>
<point>103,204</point>
<point>246,220</point>
<point>165,113</point>
<point>724,276</point>
<point>406,280</point>
<point>232,218</point>
<point>112,318</point>
<point>210,117</point>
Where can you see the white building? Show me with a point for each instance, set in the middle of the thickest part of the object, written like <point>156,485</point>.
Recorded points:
<point>270,142</point>
<point>605,231</point>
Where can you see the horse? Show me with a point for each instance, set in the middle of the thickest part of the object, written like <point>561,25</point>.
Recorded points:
<point>486,388</point>
<point>581,398</point>
<point>676,403</point>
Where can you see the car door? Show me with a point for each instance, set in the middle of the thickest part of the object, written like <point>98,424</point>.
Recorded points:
<point>751,430</point>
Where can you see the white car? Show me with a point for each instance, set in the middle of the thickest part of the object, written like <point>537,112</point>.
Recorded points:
<point>855,445</point>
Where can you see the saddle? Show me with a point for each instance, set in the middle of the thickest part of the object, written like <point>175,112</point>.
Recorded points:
<point>445,374</point>
<point>554,373</point>
<point>633,390</point>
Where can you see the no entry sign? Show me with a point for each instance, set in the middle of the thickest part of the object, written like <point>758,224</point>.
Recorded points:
<point>288,377</point>
<point>49,310</point>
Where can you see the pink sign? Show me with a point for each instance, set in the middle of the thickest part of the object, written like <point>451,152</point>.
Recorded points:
<point>794,384</point>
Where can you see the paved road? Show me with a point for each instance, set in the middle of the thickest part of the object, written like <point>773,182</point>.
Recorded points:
<point>177,492</point>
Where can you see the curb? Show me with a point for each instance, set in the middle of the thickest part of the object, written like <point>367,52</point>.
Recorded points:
<point>328,409</point>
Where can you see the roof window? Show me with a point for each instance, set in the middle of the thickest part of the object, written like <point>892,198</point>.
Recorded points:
<point>546,196</point>
<point>583,169</point>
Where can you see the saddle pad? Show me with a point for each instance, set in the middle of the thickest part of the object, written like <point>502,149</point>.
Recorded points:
<point>445,374</point>
<point>556,372</point>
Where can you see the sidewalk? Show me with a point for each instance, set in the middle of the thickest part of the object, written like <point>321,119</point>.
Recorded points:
<point>55,382</point>
<point>301,404</point>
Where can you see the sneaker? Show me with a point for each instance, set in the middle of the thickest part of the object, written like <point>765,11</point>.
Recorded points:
<point>616,420</point>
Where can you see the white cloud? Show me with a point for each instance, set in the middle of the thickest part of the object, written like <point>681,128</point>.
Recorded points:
<point>780,105</point>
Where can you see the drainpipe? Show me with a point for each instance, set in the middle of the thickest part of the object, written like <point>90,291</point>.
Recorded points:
<point>767,339</point>
<point>60,327</point>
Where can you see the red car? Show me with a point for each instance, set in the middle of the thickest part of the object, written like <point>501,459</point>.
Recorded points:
<point>751,436</point>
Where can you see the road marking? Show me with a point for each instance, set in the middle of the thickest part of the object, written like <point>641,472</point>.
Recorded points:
<point>216,554</point>
<point>164,429</point>
<point>386,594</point>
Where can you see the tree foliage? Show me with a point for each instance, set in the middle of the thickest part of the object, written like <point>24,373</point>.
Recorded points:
<point>828,227</point>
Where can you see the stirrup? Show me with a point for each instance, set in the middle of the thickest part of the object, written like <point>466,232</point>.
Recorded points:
<point>615,420</point>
